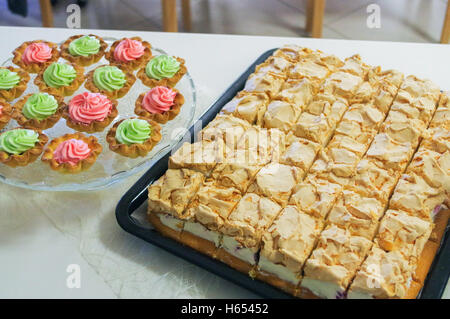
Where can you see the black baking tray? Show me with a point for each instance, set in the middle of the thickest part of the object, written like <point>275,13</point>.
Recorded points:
<point>137,195</point>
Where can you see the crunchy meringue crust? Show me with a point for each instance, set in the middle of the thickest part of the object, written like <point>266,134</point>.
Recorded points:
<point>34,67</point>
<point>67,168</point>
<point>117,94</point>
<point>44,124</point>
<point>134,150</point>
<point>83,60</point>
<point>16,91</point>
<point>160,117</point>
<point>26,157</point>
<point>134,64</point>
<point>94,126</point>
<point>6,113</point>
<point>63,90</point>
<point>170,82</point>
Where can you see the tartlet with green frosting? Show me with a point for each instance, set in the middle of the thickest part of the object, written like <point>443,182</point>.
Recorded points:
<point>133,62</point>
<point>133,137</point>
<point>111,80</point>
<point>5,113</point>
<point>20,147</point>
<point>162,70</point>
<point>13,82</point>
<point>33,56</point>
<point>38,110</point>
<point>83,50</point>
<point>61,79</point>
<point>77,160</point>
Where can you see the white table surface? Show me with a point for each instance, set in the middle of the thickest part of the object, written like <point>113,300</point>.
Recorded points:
<point>41,233</point>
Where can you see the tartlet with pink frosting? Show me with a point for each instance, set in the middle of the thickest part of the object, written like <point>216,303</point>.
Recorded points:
<point>20,147</point>
<point>38,110</point>
<point>5,113</point>
<point>83,50</point>
<point>72,153</point>
<point>90,112</point>
<point>13,82</point>
<point>33,56</point>
<point>160,104</point>
<point>131,53</point>
<point>114,81</point>
<point>61,79</point>
<point>133,137</point>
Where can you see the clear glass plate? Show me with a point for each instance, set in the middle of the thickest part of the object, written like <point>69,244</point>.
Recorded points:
<point>110,167</point>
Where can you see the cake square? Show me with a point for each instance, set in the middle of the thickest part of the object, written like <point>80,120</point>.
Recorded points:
<point>365,116</point>
<point>386,84</point>
<point>205,214</point>
<point>171,193</point>
<point>225,127</point>
<point>336,165</point>
<point>319,119</point>
<point>299,152</point>
<point>355,66</point>
<point>334,262</point>
<point>247,106</point>
<point>357,214</point>
<point>414,196</point>
<point>243,229</point>
<point>275,64</point>
<point>333,108</point>
<point>341,84</point>
<point>404,233</point>
<point>437,140</point>
<point>382,275</point>
<point>267,82</point>
<point>281,115</point>
<point>200,156</point>
<point>239,169</point>
<point>276,181</point>
<point>298,92</point>
<point>433,167</point>
<point>393,148</point>
<point>292,52</point>
<point>285,247</point>
<point>263,144</point>
<point>373,181</point>
<point>315,196</point>
<point>441,117</point>
<point>315,128</point>
<point>310,69</point>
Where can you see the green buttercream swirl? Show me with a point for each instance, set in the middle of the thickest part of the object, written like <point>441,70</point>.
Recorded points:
<point>84,46</point>
<point>109,78</point>
<point>18,141</point>
<point>161,67</point>
<point>40,106</point>
<point>133,131</point>
<point>8,79</point>
<point>59,74</point>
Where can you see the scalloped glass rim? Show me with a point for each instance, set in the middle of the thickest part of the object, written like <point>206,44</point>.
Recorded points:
<point>105,182</point>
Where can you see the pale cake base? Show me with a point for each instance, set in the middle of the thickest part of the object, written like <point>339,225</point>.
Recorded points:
<point>233,261</point>
<point>155,220</point>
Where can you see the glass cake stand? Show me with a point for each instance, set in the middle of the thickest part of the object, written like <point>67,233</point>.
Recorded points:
<point>110,167</point>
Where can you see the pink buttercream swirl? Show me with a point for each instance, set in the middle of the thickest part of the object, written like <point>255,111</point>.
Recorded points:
<point>128,50</point>
<point>37,52</point>
<point>72,151</point>
<point>88,107</point>
<point>159,99</point>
